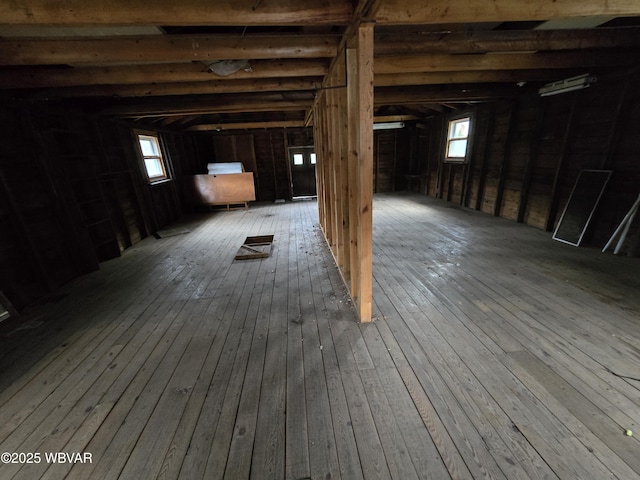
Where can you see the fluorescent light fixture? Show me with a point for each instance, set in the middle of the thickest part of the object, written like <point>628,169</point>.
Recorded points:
<point>388,125</point>
<point>567,85</point>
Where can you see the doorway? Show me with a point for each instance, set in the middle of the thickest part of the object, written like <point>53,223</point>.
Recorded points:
<point>303,171</point>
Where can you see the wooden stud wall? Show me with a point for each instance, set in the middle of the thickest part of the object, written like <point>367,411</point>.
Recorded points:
<point>343,126</point>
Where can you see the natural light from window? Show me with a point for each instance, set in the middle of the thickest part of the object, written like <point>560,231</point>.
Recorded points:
<point>457,139</point>
<point>152,156</point>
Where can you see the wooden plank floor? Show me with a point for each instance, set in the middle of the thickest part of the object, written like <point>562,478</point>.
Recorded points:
<point>495,353</point>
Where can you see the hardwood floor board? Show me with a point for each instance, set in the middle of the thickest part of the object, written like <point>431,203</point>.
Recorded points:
<point>349,457</point>
<point>370,450</point>
<point>196,313</point>
<point>451,334</point>
<point>327,293</point>
<point>589,363</point>
<point>269,445</point>
<point>238,461</point>
<point>553,351</point>
<point>62,399</point>
<point>296,435</point>
<point>421,449</point>
<point>394,447</point>
<point>485,376</point>
<point>137,402</point>
<point>457,422</point>
<point>102,317</point>
<point>323,458</point>
<point>242,444</point>
<point>78,443</point>
<point>268,460</point>
<point>587,422</point>
<point>474,318</point>
<point>155,440</point>
<point>487,357</point>
<point>244,323</point>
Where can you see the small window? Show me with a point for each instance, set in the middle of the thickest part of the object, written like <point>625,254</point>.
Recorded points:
<point>313,159</point>
<point>457,139</point>
<point>298,159</point>
<point>152,156</point>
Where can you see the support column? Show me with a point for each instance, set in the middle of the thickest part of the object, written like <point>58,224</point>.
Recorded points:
<point>360,114</point>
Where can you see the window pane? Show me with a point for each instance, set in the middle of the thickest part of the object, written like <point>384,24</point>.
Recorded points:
<point>459,128</point>
<point>457,148</point>
<point>298,159</point>
<point>149,146</point>
<point>154,167</point>
<point>313,159</point>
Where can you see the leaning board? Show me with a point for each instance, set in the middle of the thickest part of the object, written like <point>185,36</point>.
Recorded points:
<point>582,204</point>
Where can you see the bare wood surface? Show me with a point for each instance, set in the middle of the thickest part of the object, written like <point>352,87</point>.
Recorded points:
<point>494,353</point>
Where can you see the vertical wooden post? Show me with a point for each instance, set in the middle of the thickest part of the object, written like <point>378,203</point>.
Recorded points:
<point>506,155</point>
<point>534,145</point>
<point>343,122</point>
<point>360,102</point>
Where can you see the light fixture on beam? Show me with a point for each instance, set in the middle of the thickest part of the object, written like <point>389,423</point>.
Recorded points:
<point>567,85</point>
<point>388,125</point>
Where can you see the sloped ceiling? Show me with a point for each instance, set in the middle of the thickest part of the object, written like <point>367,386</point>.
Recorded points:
<point>151,62</point>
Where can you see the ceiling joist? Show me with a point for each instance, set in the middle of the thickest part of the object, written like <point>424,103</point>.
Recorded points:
<point>131,59</point>
<point>156,73</point>
<point>163,48</point>
<point>170,12</point>
<point>421,42</point>
<point>402,12</point>
<point>501,61</point>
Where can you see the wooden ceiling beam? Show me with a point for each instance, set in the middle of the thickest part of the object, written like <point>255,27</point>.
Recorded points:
<point>163,48</point>
<point>156,73</point>
<point>211,104</point>
<point>186,88</point>
<point>245,125</point>
<point>426,95</point>
<point>501,61</point>
<point>402,12</point>
<point>505,41</point>
<point>171,12</point>
<point>456,77</point>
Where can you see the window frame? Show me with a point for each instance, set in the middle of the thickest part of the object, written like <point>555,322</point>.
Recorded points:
<point>448,139</point>
<point>140,135</point>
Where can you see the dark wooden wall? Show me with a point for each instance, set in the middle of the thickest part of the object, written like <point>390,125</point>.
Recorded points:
<point>263,152</point>
<point>72,194</point>
<point>527,153</point>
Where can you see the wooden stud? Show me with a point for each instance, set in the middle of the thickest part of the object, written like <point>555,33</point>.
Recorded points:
<point>534,145</point>
<point>555,189</point>
<point>504,165</point>
<point>365,168</point>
